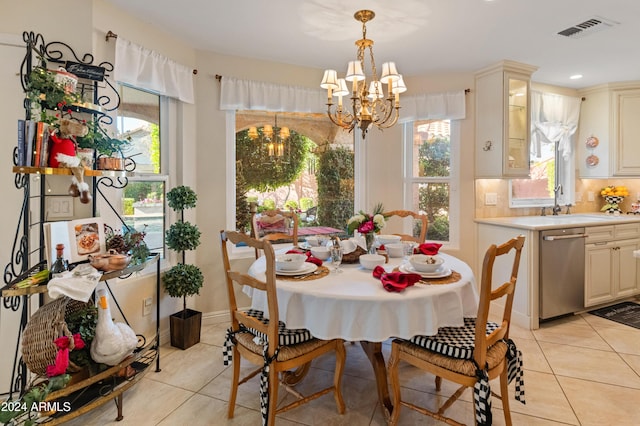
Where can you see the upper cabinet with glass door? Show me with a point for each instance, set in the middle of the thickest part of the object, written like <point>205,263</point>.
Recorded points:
<point>503,120</point>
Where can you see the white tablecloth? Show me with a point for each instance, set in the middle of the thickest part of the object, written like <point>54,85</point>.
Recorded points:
<point>353,305</point>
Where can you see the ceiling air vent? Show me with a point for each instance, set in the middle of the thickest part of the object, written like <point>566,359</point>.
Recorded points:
<point>589,26</point>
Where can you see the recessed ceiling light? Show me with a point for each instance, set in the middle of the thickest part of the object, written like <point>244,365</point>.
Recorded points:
<point>576,76</point>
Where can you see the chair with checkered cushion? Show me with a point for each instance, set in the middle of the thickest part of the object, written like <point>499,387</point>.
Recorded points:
<point>473,354</point>
<point>267,343</point>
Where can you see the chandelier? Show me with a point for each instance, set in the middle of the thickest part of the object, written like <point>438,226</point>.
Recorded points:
<point>273,139</point>
<point>368,104</point>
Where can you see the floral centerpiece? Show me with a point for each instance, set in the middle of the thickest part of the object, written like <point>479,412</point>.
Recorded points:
<point>367,224</point>
<point>613,196</point>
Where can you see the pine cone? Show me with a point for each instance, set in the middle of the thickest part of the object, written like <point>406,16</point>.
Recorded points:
<point>117,243</point>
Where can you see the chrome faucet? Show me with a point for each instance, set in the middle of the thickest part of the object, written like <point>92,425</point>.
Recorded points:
<point>556,208</point>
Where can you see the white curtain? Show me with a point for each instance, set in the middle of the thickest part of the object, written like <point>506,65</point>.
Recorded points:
<point>554,118</point>
<point>431,106</point>
<point>236,94</point>
<point>146,69</point>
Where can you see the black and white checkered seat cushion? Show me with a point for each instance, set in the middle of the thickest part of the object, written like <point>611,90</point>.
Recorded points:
<point>455,342</point>
<point>286,336</point>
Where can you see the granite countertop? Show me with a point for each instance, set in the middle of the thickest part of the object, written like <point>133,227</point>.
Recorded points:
<point>560,221</point>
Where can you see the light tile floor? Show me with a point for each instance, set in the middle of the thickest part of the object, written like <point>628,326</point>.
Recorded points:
<point>579,370</point>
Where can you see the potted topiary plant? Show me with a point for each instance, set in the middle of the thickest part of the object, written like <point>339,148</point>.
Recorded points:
<point>183,280</point>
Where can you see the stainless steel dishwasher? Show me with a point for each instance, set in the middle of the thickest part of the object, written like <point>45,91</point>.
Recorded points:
<point>561,271</point>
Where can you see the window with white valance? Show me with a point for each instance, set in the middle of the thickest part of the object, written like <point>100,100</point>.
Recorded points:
<point>554,118</point>
<point>433,106</point>
<point>145,69</point>
<point>237,94</point>
<point>554,122</point>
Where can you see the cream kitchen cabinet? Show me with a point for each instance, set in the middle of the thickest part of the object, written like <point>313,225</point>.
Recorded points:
<point>610,113</point>
<point>503,120</point>
<point>626,128</point>
<point>611,270</point>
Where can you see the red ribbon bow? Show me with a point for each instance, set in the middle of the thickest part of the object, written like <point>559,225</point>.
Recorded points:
<point>62,357</point>
<point>395,281</point>
<point>430,249</point>
<point>310,259</point>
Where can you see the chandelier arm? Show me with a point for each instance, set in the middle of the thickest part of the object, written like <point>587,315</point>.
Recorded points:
<point>386,125</point>
<point>338,121</point>
<point>387,110</point>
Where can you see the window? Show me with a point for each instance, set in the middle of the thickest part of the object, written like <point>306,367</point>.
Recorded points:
<point>307,174</point>
<point>554,120</point>
<point>143,197</point>
<point>431,175</point>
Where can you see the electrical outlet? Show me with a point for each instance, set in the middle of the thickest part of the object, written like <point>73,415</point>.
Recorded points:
<point>591,196</point>
<point>490,199</point>
<point>146,306</point>
<point>578,197</point>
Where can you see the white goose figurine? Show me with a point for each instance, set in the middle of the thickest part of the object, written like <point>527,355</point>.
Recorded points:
<point>113,342</point>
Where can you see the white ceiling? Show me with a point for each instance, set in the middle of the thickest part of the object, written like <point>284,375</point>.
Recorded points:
<point>421,36</point>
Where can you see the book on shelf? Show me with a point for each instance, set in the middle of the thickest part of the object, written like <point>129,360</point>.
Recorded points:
<point>21,142</point>
<point>30,132</point>
<point>81,238</point>
<point>41,129</point>
<point>44,153</point>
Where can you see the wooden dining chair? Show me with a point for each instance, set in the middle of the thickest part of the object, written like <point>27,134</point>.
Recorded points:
<point>277,232</point>
<point>424,224</point>
<point>470,355</point>
<point>267,343</point>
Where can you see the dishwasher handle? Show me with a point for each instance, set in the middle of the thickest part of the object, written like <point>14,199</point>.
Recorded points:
<point>563,237</point>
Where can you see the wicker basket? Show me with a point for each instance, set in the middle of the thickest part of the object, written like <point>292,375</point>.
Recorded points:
<point>47,324</point>
<point>354,256</point>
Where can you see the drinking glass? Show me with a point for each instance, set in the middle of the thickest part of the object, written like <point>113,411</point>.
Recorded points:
<point>336,258</point>
<point>407,249</point>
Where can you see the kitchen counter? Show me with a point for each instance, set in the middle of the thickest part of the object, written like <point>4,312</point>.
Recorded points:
<point>616,238</point>
<point>539,223</point>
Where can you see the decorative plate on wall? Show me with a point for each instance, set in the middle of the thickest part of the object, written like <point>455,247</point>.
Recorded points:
<point>592,160</point>
<point>592,142</point>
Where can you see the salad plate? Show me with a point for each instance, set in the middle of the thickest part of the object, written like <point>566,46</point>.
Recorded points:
<point>306,268</point>
<point>442,272</point>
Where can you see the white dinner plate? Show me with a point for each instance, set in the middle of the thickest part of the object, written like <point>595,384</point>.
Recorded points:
<point>440,273</point>
<point>307,268</point>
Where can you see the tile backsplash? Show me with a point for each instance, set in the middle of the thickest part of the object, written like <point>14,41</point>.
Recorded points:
<point>500,187</point>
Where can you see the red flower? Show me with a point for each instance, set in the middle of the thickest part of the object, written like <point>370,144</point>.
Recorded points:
<point>366,227</point>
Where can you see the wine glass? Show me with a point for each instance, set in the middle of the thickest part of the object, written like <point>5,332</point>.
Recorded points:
<point>336,258</point>
<point>407,249</point>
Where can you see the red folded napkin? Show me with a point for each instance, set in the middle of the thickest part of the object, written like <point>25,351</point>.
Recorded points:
<point>430,249</point>
<point>310,259</point>
<point>395,281</point>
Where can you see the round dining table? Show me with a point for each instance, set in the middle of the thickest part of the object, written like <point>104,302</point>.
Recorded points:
<point>353,305</point>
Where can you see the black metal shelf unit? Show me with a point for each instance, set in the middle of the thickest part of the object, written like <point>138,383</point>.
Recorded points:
<point>28,253</point>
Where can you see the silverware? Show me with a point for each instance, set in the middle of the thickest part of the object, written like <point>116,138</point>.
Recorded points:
<point>308,274</point>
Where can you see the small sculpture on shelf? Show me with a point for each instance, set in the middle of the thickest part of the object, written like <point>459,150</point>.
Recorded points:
<point>113,342</point>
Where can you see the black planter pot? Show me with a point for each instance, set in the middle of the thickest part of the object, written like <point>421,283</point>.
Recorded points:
<point>185,332</point>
